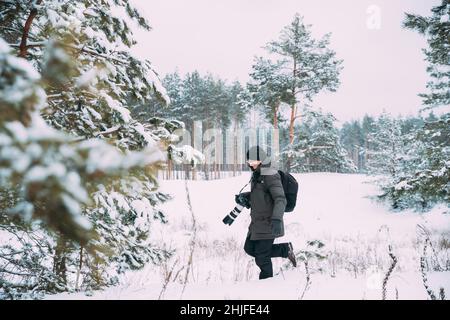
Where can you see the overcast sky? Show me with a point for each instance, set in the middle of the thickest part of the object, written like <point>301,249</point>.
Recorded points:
<point>383,63</point>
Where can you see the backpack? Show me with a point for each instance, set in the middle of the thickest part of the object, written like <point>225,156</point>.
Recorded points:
<point>290,187</point>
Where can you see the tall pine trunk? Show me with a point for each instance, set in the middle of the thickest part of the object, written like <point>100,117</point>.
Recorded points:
<point>194,171</point>
<point>80,265</point>
<point>235,148</point>
<point>59,260</point>
<point>275,115</point>
<point>293,115</point>
<point>291,134</point>
<point>275,137</point>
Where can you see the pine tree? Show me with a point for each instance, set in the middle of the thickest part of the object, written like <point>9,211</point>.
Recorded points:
<point>367,127</point>
<point>192,93</point>
<point>82,88</point>
<point>317,146</point>
<point>303,64</point>
<point>269,88</point>
<point>238,106</point>
<point>205,98</point>
<point>387,146</point>
<point>387,152</point>
<point>423,181</point>
<point>352,139</point>
<point>411,124</point>
<point>155,108</point>
<point>436,29</point>
<point>424,176</point>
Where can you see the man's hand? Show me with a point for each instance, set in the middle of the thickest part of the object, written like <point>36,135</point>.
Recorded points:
<point>243,199</point>
<point>276,227</point>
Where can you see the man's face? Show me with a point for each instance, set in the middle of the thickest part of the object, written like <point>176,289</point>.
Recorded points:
<point>254,163</point>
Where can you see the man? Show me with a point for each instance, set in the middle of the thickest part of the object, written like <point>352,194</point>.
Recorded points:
<point>267,209</point>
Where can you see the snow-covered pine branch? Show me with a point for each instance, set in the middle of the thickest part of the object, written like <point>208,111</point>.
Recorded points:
<point>89,144</point>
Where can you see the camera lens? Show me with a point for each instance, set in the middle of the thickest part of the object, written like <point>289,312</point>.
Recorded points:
<point>229,219</point>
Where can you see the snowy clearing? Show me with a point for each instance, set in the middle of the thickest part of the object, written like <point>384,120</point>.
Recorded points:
<point>333,208</point>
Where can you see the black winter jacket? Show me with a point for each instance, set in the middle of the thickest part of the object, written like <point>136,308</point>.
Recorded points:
<point>267,202</point>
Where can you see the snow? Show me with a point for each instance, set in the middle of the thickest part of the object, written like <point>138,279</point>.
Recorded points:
<point>41,173</point>
<point>145,134</point>
<point>112,159</point>
<point>187,154</point>
<point>152,78</point>
<point>119,199</point>
<point>22,86</point>
<point>74,186</point>
<point>115,105</point>
<point>5,140</point>
<point>40,130</point>
<point>402,185</point>
<point>89,32</point>
<point>94,113</point>
<point>18,130</point>
<point>4,47</point>
<point>142,208</point>
<point>87,78</point>
<point>286,287</point>
<point>334,208</point>
<point>25,209</point>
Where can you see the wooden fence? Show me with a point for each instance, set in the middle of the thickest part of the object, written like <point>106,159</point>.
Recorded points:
<point>219,171</point>
<point>201,172</point>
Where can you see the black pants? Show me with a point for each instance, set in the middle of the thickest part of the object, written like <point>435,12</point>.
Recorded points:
<point>263,251</point>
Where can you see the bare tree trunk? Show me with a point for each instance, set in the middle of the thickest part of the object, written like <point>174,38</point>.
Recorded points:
<point>388,274</point>
<point>291,123</point>
<point>215,170</point>
<point>275,115</point>
<point>293,115</point>
<point>291,135</point>
<point>193,169</point>
<point>205,129</point>
<point>169,169</point>
<point>80,265</point>
<point>235,155</point>
<point>192,241</point>
<point>59,260</point>
<point>26,30</point>
<point>293,107</point>
<point>275,137</point>
<point>308,279</point>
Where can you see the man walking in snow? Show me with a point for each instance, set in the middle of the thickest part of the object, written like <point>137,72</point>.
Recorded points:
<point>268,203</point>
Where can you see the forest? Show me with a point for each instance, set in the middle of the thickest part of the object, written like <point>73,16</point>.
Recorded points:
<point>98,151</point>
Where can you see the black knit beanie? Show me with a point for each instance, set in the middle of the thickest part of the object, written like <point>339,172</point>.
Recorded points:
<point>257,153</point>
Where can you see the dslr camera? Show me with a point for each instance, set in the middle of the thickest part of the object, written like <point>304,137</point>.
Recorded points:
<point>242,201</point>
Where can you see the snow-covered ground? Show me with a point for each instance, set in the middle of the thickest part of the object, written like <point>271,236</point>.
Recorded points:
<point>334,208</point>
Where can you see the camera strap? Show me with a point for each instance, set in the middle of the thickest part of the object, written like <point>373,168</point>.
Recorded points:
<point>245,186</point>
